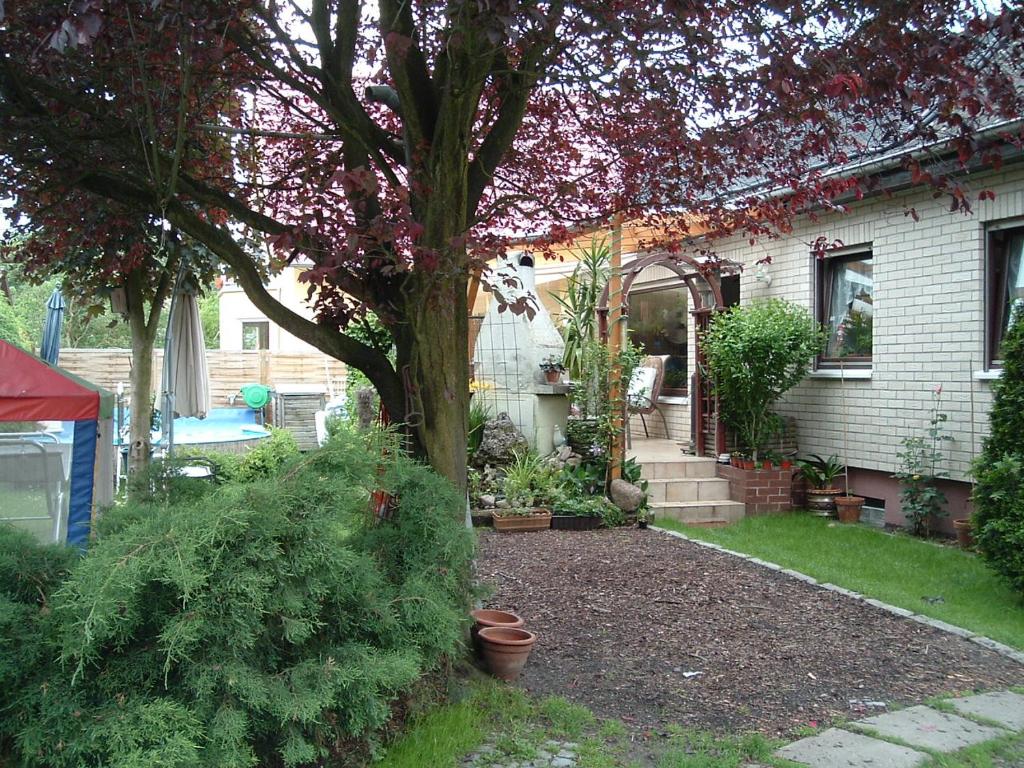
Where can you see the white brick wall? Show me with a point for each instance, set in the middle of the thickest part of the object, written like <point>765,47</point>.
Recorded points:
<point>928,322</point>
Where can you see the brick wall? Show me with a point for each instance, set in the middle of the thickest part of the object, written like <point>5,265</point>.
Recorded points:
<point>929,324</point>
<point>762,490</point>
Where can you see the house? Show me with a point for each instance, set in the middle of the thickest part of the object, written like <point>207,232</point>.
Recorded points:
<point>244,327</point>
<point>913,307</point>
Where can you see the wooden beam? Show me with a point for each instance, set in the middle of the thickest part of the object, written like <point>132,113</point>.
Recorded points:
<point>616,334</point>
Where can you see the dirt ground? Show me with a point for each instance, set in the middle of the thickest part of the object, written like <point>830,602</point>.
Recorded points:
<point>651,629</point>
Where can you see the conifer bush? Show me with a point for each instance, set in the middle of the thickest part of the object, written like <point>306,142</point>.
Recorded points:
<point>258,624</point>
<point>999,470</point>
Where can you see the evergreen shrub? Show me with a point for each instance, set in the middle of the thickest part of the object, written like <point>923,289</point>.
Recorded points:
<point>256,624</point>
<point>999,470</point>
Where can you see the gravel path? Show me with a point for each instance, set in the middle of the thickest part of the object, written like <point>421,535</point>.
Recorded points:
<point>654,630</point>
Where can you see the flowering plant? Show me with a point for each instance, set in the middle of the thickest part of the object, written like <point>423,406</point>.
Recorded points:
<point>919,471</point>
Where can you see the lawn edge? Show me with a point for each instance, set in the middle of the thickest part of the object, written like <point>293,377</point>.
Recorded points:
<point>986,642</point>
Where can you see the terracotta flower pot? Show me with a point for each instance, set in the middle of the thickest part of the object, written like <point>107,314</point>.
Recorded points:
<point>848,508</point>
<point>766,464</point>
<point>552,377</point>
<point>506,650</point>
<point>483,617</point>
<point>786,464</point>
<point>964,533</point>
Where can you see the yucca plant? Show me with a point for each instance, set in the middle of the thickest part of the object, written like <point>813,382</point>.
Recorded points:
<point>579,304</point>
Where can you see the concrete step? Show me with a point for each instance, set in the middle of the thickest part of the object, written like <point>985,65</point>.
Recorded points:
<point>699,512</point>
<point>688,489</point>
<point>685,466</point>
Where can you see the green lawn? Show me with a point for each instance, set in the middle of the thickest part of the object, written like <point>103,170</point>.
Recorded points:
<point>930,579</point>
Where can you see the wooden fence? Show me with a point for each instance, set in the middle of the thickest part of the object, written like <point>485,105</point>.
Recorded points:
<point>228,370</point>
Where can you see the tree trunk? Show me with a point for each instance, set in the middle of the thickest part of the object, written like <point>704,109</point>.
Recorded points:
<point>141,404</point>
<point>433,347</point>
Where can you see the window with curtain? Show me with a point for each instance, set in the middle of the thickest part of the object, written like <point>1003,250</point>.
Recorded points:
<point>658,325</point>
<point>1006,284</point>
<point>846,291</point>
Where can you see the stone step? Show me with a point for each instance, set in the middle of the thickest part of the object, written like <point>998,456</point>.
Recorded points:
<point>685,466</point>
<point>688,489</point>
<point>699,512</point>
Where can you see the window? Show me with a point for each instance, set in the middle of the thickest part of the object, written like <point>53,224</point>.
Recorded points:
<point>1005,284</point>
<point>657,324</point>
<point>256,335</point>
<point>846,308</point>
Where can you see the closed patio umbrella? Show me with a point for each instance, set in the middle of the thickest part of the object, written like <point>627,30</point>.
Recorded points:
<point>186,385</point>
<point>49,350</point>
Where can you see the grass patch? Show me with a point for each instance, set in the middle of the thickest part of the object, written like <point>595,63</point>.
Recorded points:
<point>1001,753</point>
<point>697,749</point>
<point>941,582</point>
<point>512,727</point>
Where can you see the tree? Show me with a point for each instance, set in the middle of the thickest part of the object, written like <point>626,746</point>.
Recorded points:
<point>394,145</point>
<point>999,470</point>
<point>134,257</point>
<point>756,353</point>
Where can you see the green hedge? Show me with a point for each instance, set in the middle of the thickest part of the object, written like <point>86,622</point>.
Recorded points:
<point>999,487</point>
<point>257,624</point>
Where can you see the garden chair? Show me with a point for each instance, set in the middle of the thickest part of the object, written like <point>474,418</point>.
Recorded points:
<point>644,392</point>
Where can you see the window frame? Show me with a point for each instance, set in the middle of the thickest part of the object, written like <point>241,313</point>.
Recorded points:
<point>992,333</point>
<point>822,267</point>
<point>639,290</point>
<point>263,335</point>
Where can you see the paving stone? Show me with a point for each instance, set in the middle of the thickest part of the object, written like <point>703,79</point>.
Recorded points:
<point>563,762</point>
<point>925,727</point>
<point>1001,707</point>
<point>842,590</point>
<point>800,576</point>
<point>835,748</point>
<point>952,629</point>
<point>994,645</point>
<point>890,608</point>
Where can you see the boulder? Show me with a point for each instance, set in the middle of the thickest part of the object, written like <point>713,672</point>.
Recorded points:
<point>487,500</point>
<point>625,495</point>
<point>500,442</point>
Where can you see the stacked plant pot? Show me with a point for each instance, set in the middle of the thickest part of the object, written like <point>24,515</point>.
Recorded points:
<point>501,641</point>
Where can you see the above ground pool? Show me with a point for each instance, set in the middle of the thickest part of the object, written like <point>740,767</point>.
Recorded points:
<point>222,429</point>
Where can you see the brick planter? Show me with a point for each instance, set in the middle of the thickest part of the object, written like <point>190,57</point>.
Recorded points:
<point>762,490</point>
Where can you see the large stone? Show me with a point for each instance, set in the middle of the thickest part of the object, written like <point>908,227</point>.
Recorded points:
<point>625,495</point>
<point>500,443</point>
<point>840,749</point>
<point>924,727</point>
<point>1002,707</point>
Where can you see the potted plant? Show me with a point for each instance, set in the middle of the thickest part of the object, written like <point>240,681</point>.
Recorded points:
<point>553,369</point>
<point>755,353</point>
<point>821,475</point>
<point>964,533</point>
<point>577,513</point>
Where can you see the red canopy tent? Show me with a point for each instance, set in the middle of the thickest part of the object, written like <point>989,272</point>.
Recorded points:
<point>32,390</point>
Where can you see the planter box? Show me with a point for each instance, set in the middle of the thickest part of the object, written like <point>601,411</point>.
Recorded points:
<point>538,521</point>
<point>575,522</point>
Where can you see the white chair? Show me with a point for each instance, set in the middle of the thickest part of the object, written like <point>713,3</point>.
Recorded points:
<point>644,392</point>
